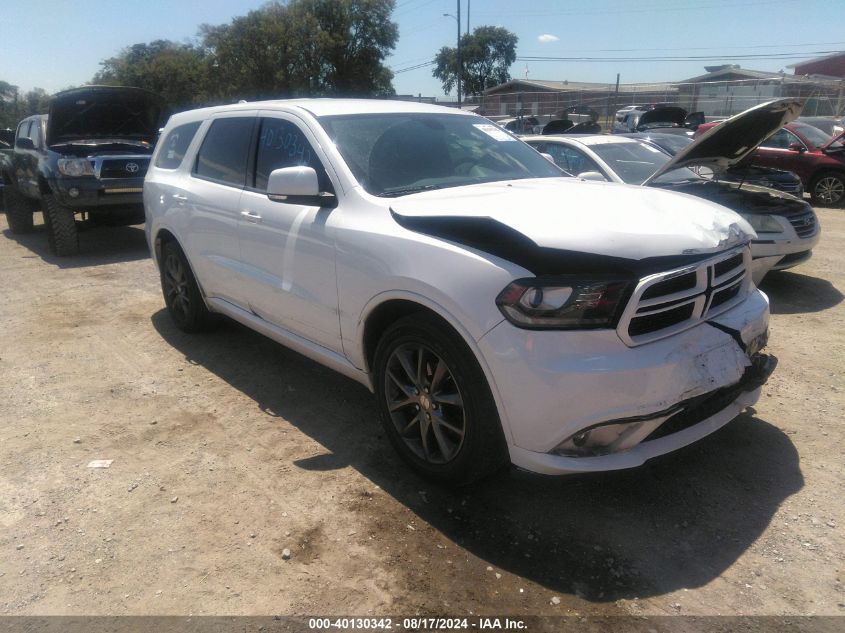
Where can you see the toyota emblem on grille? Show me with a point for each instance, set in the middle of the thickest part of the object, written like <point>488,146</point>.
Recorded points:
<point>132,167</point>
<point>808,221</point>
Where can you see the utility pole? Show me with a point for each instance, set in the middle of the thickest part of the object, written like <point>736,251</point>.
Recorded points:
<point>457,19</point>
<point>460,65</point>
<point>469,2</point>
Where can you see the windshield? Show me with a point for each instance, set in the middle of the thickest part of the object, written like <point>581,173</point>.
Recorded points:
<point>399,153</point>
<point>634,162</point>
<point>816,136</point>
<point>672,143</point>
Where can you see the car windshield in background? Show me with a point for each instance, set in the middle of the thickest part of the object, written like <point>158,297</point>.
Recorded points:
<point>397,154</point>
<point>634,162</point>
<point>672,143</point>
<point>816,136</point>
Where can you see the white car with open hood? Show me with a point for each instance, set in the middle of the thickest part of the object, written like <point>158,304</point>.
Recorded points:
<point>787,227</point>
<point>499,310</point>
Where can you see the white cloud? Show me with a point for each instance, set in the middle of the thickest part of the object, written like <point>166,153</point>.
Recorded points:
<point>545,38</point>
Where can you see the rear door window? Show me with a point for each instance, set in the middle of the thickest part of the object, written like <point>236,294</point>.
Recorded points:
<point>175,144</point>
<point>224,151</point>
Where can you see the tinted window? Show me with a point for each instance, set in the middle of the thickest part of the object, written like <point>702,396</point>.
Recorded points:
<point>571,160</point>
<point>282,144</point>
<point>175,144</point>
<point>33,131</point>
<point>23,130</point>
<point>781,139</point>
<point>224,151</point>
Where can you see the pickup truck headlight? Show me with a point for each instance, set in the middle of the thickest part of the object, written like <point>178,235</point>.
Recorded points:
<point>763,223</point>
<point>75,167</point>
<point>561,303</point>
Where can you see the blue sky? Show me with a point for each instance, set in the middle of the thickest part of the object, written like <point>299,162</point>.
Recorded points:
<point>55,44</point>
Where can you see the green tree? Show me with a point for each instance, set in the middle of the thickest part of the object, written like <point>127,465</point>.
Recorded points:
<point>15,106</point>
<point>304,48</point>
<point>486,56</point>
<point>178,72</point>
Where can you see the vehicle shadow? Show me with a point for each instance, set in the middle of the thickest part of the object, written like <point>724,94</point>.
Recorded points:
<point>794,293</point>
<point>98,245</point>
<point>679,521</point>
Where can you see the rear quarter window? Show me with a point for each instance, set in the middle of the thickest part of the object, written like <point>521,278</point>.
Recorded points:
<point>175,144</point>
<point>224,151</point>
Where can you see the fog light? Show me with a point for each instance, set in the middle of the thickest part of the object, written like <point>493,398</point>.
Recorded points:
<point>73,192</point>
<point>613,437</point>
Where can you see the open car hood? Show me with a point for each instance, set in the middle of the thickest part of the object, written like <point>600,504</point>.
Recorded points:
<point>728,143</point>
<point>104,112</point>
<point>670,115</point>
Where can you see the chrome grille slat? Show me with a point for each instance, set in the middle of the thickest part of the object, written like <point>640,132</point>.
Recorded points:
<point>646,320</point>
<point>804,224</point>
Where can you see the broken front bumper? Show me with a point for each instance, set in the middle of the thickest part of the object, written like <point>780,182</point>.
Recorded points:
<point>555,386</point>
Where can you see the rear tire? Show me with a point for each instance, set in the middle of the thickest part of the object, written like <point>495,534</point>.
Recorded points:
<point>18,211</point>
<point>828,189</point>
<point>182,295</point>
<point>62,235</point>
<point>435,404</point>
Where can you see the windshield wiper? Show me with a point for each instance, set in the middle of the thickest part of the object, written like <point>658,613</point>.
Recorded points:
<point>404,191</point>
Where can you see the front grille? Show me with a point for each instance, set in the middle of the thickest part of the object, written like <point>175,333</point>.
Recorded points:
<point>789,187</point>
<point>804,224</point>
<point>667,303</point>
<point>124,167</point>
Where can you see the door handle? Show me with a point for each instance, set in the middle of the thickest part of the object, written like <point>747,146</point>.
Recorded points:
<point>249,216</point>
<point>179,198</point>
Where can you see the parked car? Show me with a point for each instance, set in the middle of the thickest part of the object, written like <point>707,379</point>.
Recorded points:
<point>663,117</point>
<point>499,310</point>
<point>787,228</point>
<point>817,158</point>
<point>743,173</point>
<point>88,156</point>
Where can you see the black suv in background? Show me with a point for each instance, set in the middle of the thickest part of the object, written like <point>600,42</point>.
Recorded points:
<point>87,157</point>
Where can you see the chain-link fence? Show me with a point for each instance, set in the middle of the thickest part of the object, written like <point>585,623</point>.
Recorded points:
<point>716,99</point>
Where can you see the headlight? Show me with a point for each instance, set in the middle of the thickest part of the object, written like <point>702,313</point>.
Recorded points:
<point>562,303</point>
<point>75,167</point>
<point>763,223</point>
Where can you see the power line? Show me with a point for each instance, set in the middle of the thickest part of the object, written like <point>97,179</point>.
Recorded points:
<point>699,48</point>
<point>640,9</point>
<point>675,58</point>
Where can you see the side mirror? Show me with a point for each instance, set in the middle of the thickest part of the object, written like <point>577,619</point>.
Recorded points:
<point>548,157</point>
<point>797,147</point>
<point>22,142</point>
<point>592,175</point>
<point>298,185</point>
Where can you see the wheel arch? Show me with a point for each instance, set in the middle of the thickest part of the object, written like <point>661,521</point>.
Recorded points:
<point>385,309</point>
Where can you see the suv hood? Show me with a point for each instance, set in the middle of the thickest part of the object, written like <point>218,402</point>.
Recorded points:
<point>561,225</point>
<point>728,143</point>
<point>104,112</point>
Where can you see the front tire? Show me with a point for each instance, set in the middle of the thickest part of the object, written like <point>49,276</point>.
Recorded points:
<point>62,234</point>
<point>18,211</point>
<point>435,404</point>
<point>182,295</point>
<point>828,189</point>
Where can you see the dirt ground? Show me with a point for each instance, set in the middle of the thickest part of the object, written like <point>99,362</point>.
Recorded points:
<point>228,449</point>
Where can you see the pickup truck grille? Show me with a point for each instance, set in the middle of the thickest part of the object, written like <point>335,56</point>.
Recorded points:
<point>667,303</point>
<point>804,224</point>
<point>124,167</point>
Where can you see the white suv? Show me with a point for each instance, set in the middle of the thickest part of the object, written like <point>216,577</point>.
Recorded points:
<point>499,309</point>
